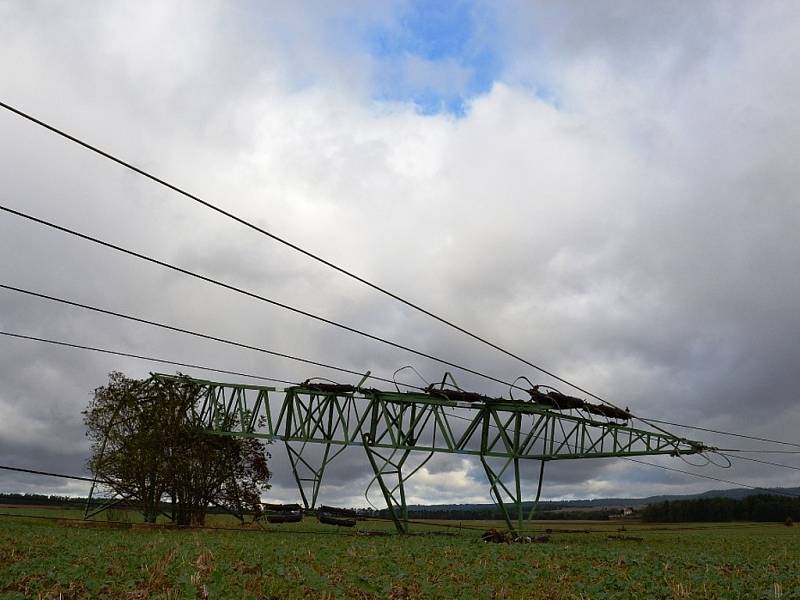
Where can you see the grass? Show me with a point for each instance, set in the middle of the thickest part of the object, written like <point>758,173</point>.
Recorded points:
<point>50,559</point>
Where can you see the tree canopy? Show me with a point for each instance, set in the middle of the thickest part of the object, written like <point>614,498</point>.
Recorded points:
<point>147,445</point>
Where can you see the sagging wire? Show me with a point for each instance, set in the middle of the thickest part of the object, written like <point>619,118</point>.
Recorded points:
<point>218,209</point>
<point>266,351</point>
<point>677,452</point>
<point>397,386</point>
<point>712,453</point>
<point>514,385</point>
<point>706,452</point>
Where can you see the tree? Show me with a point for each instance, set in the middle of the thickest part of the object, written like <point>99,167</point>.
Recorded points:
<point>147,445</point>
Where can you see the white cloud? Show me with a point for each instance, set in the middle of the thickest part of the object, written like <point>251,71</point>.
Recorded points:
<point>635,235</point>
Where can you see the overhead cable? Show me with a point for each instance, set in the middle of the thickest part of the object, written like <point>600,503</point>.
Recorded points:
<point>728,481</point>
<point>319,259</point>
<point>190,332</point>
<point>254,295</point>
<point>45,473</point>
<point>147,358</point>
<point>763,462</point>
<point>739,435</point>
<point>303,251</point>
<point>751,451</point>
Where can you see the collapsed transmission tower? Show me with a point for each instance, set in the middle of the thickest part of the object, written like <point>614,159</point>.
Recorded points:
<point>390,425</point>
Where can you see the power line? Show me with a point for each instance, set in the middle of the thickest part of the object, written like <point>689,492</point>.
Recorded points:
<point>192,333</point>
<point>270,301</point>
<point>212,369</point>
<point>696,474</point>
<point>272,379</point>
<point>45,473</point>
<point>728,481</point>
<point>177,363</point>
<point>349,274</point>
<point>763,462</point>
<point>182,364</point>
<point>286,382</point>
<point>739,435</point>
<point>254,295</point>
<point>329,321</point>
<point>303,251</point>
<point>103,350</point>
<point>79,346</point>
<point>101,480</point>
<point>750,451</point>
<point>147,358</point>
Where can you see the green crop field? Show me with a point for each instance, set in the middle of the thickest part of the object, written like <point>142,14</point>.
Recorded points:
<point>59,559</point>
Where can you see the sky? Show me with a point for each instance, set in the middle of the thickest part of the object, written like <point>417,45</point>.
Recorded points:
<point>608,190</point>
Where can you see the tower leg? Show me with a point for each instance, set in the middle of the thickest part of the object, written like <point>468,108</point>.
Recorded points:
<point>507,493</point>
<point>508,497</point>
<point>395,496</point>
<point>535,506</point>
<point>308,471</point>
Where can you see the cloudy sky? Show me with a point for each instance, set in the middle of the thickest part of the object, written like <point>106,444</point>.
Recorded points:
<point>606,189</point>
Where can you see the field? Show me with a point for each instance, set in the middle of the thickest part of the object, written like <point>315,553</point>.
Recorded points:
<point>57,559</point>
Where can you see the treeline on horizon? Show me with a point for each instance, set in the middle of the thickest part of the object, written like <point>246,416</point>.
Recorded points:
<point>761,507</point>
<point>55,501</point>
<point>40,500</point>
<point>494,514</point>
<point>466,514</point>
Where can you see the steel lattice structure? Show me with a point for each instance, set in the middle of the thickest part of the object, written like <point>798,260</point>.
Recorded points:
<point>390,425</point>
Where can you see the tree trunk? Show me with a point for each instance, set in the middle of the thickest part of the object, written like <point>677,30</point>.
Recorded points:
<point>150,503</point>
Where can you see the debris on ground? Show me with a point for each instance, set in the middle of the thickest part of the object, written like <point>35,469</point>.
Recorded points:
<point>498,536</point>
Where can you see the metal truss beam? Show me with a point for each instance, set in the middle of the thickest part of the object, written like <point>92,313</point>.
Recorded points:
<point>494,430</point>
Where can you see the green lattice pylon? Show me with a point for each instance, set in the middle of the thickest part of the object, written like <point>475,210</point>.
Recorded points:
<point>390,425</point>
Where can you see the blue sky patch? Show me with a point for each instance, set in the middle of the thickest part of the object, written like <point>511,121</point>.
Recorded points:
<point>436,54</point>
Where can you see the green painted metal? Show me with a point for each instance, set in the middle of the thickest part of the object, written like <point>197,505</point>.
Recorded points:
<point>384,467</point>
<point>312,469</point>
<point>388,424</point>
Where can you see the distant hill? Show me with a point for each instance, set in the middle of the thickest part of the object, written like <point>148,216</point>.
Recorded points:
<point>556,508</point>
<point>735,493</point>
